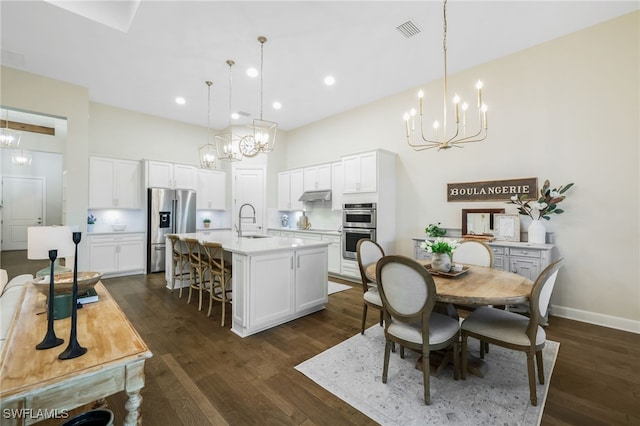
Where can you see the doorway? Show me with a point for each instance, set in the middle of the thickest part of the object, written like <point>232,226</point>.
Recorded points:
<point>249,187</point>
<point>23,206</point>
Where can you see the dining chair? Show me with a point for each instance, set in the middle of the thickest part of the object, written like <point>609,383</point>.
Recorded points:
<point>515,331</point>
<point>368,252</point>
<point>179,259</point>
<point>408,296</point>
<point>219,276</point>
<point>197,270</point>
<point>472,252</point>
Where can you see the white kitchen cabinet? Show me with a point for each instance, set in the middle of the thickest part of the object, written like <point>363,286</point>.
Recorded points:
<point>310,286</point>
<point>337,185</point>
<point>211,190</point>
<point>114,183</point>
<point>115,255</point>
<point>290,188</point>
<point>170,175</point>
<point>360,173</point>
<point>334,255</point>
<point>272,288</point>
<point>317,178</point>
<point>350,269</point>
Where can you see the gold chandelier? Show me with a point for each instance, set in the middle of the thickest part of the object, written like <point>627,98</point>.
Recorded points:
<point>228,144</point>
<point>263,132</point>
<point>207,151</point>
<point>458,137</point>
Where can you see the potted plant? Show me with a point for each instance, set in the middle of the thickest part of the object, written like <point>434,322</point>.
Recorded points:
<point>91,220</point>
<point>434,230</point>
<point>441,250</point>
<point>546,205</point>
<point>207,222</point>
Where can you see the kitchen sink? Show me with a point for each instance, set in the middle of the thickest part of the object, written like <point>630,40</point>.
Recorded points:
<point>256,236</point>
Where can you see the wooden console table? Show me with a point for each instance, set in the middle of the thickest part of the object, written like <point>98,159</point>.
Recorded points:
<point>35,383</point>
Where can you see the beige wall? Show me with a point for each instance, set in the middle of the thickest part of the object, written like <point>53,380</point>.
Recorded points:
<point>566,111</point>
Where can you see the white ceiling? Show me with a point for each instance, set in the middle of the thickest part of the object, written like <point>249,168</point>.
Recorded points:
<point>145,54</point>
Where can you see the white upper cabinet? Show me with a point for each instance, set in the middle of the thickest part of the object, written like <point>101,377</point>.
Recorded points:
<point>360,173</point>
<point>211,190</point>
<point>114,183</point>
<point>337,185</point>
<point>317,178</point>
<point>172,176</point>
<point>290,188</point>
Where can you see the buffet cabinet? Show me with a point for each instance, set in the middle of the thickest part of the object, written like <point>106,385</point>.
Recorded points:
<point>522,258</point>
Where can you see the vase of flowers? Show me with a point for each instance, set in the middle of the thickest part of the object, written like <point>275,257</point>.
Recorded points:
<point>434,230</point>
<point>545,206</point>
<point>441,250</point>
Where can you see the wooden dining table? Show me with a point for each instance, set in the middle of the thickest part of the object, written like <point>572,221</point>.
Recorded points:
<point>476,285</point>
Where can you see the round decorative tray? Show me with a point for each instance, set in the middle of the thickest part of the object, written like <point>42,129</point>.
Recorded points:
<point>63,283</point>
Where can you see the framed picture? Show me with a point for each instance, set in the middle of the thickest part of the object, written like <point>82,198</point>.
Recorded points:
<point>506,227</point>
<point>478,221</point>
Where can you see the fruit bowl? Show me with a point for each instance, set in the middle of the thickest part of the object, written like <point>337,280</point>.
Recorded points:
<point>63,283</point>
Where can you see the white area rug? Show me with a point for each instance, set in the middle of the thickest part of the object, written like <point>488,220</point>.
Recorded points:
<point>352,371</point>
<point>335,287</point>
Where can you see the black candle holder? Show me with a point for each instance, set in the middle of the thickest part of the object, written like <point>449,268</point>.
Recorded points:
<point>50,339</point>
<point>74,349</point>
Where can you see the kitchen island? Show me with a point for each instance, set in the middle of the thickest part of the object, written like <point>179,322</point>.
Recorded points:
<point>275,279</point>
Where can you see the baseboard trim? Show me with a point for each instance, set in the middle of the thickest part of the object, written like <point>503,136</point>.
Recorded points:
<point>610,321</point>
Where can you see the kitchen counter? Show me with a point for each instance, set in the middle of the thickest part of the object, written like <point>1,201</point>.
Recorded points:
<point>311,231</point>
<point>275,279</point>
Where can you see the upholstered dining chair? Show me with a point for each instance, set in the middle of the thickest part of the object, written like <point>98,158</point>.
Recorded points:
<point>473,252</point>
<point>515,331</point>
<point>219,276</point>
<point>368,252</point>
<point>179,259</point>
<point>408,296</point>
<point>198,269</point>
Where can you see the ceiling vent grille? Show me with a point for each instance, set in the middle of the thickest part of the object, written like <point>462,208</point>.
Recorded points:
<point>408,29</point>
<point>244,114</point>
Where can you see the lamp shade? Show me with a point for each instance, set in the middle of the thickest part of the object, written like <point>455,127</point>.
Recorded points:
<point>41,239</point>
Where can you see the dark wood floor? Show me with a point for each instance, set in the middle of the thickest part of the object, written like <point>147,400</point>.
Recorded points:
<point>204,374</point>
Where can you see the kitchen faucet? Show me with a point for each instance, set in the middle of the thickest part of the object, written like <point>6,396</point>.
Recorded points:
<point>240,217</point>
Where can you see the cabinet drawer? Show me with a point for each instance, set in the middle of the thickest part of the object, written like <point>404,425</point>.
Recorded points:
<point>308,236</point>
<point>288,234</point>
<point>331,238</point>
<point>498,250</point>
<point>524,252</point>
<point>350,268</point>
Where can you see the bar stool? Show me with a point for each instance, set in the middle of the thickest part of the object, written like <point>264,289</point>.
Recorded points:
<point>220,276</point>
<point>197,270</point>
<point>179,259</point>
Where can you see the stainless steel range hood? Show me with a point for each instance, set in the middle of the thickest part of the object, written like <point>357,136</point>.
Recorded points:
<point>315,196</point>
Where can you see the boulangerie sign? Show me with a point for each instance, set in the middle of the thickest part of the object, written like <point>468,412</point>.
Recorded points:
<point>493,190</point>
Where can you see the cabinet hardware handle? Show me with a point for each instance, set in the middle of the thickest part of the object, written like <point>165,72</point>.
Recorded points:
<point>291,263</point>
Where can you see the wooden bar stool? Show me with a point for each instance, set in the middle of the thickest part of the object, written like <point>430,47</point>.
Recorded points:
<point>198,269</point>
<point>219,275</point>
<point>179,259</point>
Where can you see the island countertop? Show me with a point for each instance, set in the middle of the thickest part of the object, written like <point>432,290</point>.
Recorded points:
<point>248,245</point>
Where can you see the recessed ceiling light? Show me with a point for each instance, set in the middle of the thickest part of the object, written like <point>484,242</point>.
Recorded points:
<point>235,115</point>
<point>180,100</point>
<point>277,105</point>
<point>329,80</point>
<point>252,72</point>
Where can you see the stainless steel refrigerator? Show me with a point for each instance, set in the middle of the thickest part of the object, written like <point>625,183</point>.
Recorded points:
<point>169,211</point>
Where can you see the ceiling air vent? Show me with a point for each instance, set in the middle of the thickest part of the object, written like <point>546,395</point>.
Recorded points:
<point>244,114</point>
<point>408,29</point>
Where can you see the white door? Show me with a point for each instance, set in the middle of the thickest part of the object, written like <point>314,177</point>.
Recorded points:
<point>249,187</point>
<point>23,206</point>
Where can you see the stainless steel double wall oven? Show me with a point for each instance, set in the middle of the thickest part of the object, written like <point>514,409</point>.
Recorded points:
<point>358,222</point>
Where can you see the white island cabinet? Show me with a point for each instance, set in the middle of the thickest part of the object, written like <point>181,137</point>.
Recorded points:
<point>275,279</point>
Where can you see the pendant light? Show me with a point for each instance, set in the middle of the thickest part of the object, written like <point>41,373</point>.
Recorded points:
<point>263,131</point>
<point>228,144</point>
<point>9,138</point>
<point>207,152</point>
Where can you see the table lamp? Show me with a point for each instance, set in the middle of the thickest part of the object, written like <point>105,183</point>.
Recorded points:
<point>49,242</point>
